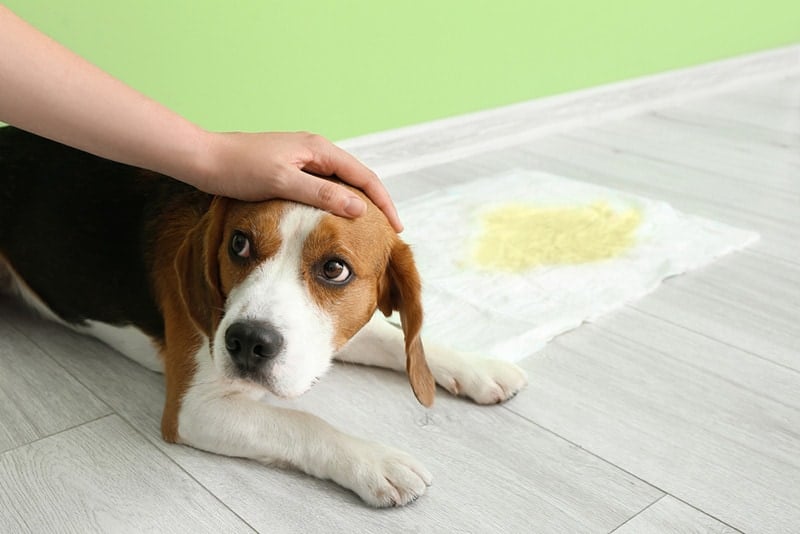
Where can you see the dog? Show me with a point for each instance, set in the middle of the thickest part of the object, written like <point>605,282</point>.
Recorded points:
<point>232,301</point>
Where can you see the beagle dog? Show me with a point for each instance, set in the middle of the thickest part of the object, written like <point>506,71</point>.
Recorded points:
<point>232,301</point>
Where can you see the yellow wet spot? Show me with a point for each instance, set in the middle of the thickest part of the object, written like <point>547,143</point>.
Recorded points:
<point>517,237</point>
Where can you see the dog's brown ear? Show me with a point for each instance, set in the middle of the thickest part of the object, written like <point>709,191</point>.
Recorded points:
<point>197,266</point>
<point>400,289</point>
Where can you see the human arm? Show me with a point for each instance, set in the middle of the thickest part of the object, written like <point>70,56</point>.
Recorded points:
<point>50,91</point>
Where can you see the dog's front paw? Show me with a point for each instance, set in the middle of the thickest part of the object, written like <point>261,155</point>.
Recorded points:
<point>383,476</point>
<point>484,381</point>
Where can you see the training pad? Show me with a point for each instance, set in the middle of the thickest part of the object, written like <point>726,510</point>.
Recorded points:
<point>511,261</point>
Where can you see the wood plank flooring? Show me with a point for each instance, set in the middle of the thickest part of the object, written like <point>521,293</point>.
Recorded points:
<point>679,413</point>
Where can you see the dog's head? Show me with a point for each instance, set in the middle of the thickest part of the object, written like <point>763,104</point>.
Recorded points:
<point>278,288</point>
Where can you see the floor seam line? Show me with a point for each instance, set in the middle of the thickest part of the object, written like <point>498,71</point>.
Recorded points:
<point>54,434</point>
<point>637,514</point>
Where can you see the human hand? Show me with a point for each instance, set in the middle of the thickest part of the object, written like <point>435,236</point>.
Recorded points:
<point>259,166</point>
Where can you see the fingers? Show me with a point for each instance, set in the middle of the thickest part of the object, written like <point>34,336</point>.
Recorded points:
<point>323,194</point>
<point>330,160</point>
<point>269,165</point>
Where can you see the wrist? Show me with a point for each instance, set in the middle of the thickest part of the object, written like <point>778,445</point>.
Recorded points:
<point>199,166</point>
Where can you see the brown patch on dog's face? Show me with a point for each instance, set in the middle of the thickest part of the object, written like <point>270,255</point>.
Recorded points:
<point>382,275</point>
<point>250,237</point>
<point>337,246</point>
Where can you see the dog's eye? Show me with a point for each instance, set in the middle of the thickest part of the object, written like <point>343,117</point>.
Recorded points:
<point>336,271</point>
<point>240,245</point>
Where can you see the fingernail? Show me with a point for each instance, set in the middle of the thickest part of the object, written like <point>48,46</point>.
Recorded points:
<point>355,207</point>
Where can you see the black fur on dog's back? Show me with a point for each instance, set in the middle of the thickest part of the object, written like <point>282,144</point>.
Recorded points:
<point>77,228</point>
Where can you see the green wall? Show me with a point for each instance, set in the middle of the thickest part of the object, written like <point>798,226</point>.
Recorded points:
<point>356,66</point>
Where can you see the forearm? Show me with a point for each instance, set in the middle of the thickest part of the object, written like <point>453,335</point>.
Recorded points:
<point>50,91</point>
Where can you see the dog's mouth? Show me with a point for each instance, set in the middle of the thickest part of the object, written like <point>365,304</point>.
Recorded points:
<point>270,383</point>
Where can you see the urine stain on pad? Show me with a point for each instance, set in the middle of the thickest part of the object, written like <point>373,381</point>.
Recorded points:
<point>516,237</point>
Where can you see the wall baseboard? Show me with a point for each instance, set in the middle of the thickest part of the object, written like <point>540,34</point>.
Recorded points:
<point>409,148</point>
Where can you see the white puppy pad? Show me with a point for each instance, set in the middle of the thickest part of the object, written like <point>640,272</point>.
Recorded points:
<point>511,261</point>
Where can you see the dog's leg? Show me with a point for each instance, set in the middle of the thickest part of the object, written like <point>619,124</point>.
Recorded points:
<point>225,418</point>
<point>484,381</point>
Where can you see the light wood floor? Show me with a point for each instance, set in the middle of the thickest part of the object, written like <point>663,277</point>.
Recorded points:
<point>680,413</point>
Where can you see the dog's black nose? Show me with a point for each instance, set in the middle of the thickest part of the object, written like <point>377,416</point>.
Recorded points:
<point>252,343</point>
